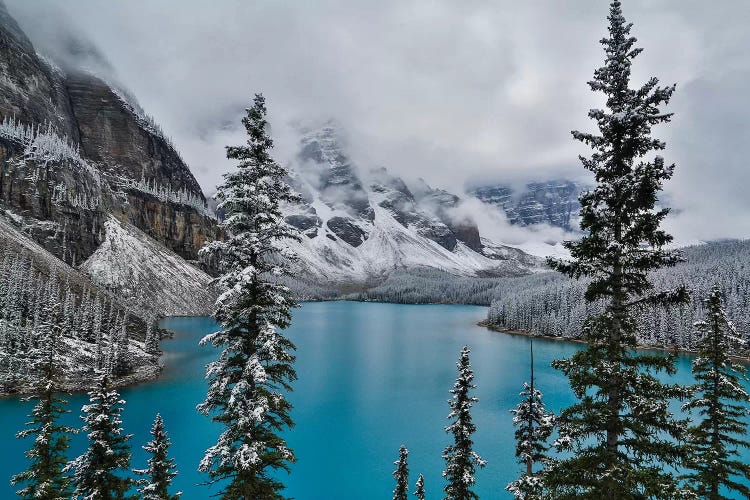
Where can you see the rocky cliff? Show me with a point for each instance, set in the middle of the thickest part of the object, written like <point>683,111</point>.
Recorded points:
<point>552,202</point>
<point>98,212</point>
<point>56,120</point>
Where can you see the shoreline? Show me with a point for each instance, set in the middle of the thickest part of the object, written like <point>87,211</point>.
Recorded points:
<point>83,384</point>
<point>745,360</point>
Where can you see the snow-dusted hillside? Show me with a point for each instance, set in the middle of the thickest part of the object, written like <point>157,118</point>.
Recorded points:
<point>359,227</point>
<point>30,277</point>
<point>148,276</point>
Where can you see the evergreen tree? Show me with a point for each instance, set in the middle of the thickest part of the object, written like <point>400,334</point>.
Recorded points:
<point>101,472</point>
<point>161,469</point>
<point>401,474</point>
<point>247,383</point>
<point>621,431</point>
<point>419,491</point>
<point>534,426</point>
<point>723,403</point>
<point>45,479</point>
<point>460,458</point>
<point>151,341</point>
<point>122,361</point>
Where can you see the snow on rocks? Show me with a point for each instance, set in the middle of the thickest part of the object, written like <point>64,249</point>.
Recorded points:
<point>148,276</point>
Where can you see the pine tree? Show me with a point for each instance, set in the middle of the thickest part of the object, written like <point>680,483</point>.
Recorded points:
<point>254,370</point>
<point>101,472</point>
<point>621,431</point>
<point>45,479</point>
<point>534,426</point>
<point>419,491</point>
<point>161,469</point>
<point>401,474</point>
<point>151,341</point>
<point>122,361</point>
<point>723,403</point>
<point>460,459</point>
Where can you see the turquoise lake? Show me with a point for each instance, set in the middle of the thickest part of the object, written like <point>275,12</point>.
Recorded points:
<point>371,377</point>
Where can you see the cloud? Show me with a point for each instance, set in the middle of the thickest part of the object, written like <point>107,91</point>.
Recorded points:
<point>448,91</point>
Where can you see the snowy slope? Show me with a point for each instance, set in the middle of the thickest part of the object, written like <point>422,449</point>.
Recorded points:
<point>148,276</point>
<point>391,246</point>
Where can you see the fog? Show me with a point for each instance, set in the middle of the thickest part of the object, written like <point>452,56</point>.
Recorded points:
<point>454,92</point>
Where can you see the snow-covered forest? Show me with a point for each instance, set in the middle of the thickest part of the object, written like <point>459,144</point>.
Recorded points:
<point>552,305</point>
<point>98,336</point>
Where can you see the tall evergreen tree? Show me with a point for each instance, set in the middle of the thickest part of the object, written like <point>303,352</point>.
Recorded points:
<point>723,403</point>
<point>101,472</point>
<point>151,341</point>
<point>161,469</point>
<point>534,426</point>
<point>621,431</point>
<point>401,474</point>
<point>247,384</point>
<point>460,458</point>
<point>45,479</point>
<point>419,491</point>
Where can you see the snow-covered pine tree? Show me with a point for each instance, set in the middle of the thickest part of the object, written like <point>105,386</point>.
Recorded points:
<point>714,463</point>
<point>621,430</point>
<point>419,488</point>
<point>534,426</point>
<point>45,478</point>
<point>102,471</point>
<point>151,342</point>
<point>247,383</point>
<point>122,361</point>
<point>161,469</point>
<point>460,458</point>
<point>401,475</point>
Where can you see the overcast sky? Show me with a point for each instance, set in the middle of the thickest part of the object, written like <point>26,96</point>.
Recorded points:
<point>452,91</point>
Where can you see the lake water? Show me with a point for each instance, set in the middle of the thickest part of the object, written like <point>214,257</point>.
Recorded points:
<point>371,377</point>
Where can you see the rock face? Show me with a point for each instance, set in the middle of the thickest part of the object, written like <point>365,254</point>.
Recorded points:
<point>114,135</point>
<point>99,154</point>
<point>323,162</point>
<point>553,202</point>
<point>31,89</point>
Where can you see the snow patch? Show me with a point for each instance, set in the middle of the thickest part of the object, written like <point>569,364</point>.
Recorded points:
<point>148,276</point>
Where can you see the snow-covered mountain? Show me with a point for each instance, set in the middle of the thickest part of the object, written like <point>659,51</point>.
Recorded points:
<point>361,226</point>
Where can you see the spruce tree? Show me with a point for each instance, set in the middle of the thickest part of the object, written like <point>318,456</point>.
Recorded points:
<point>45,479</point>
<point>620,432</point>
<point>151,341</point>
<point>101,473</point>
<point>460,458</point>
<point>122,361</point>
<point>534,426</point>
<point>401,474</point>
<point>715,463</point>
<point>161,469</point>
<point>419,491</point>
<point>248,382</point>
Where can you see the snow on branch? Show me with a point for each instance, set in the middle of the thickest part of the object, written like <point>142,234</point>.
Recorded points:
<point>167,194</point>
<point>43,145</point>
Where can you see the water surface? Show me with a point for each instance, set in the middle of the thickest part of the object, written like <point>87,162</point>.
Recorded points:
<point>371,377</point>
